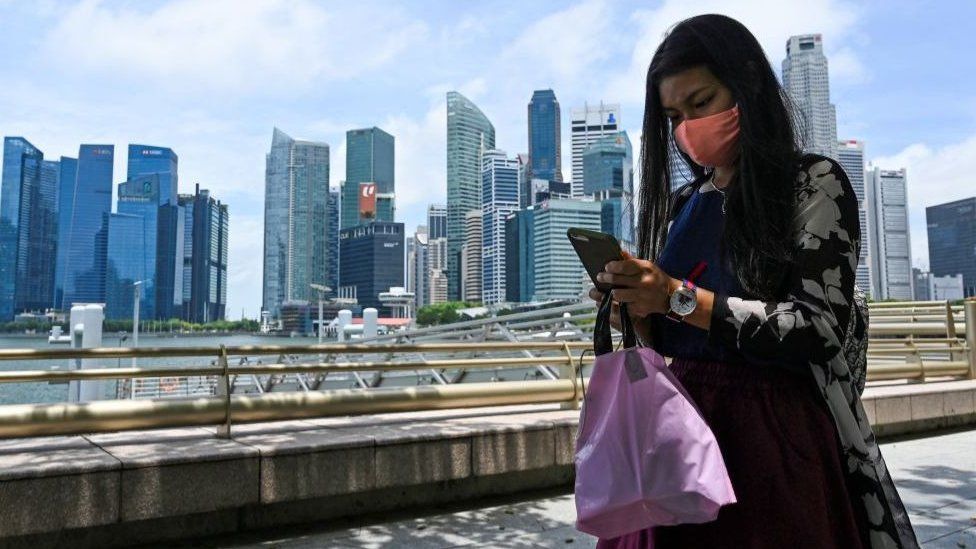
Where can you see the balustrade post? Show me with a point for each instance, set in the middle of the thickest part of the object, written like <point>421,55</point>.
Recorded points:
<point>223,390</point>
<point>969,306</point>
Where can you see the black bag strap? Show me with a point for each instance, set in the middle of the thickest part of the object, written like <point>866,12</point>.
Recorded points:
<point>602,338</point>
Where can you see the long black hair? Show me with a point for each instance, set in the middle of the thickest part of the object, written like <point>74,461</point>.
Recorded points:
<point>761,200</point>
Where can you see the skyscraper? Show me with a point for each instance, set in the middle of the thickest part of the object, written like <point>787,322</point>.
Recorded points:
<point>890,248</point>
<point>558,272</point>
<point>928,286</point>
<point>437,221</point>
<point>19,188</point>
<point>417,273</point>
<point>520,255</point>
<point>38,282</point>
<point>332,240</point>
<point>471,270</point>
<point>436,268</point>
<point>608,174</point>
<point>82,275</point>
<point>138,197</point>
<point>850,154</point>
<point>126,263</point>
<point>66,202</point>
<point>369,159</point>
<point>205,245</point>
<point>805,80</point>
<point>499,198</point>
<point>296,199</point>
<point>148,160</point>
<point>372,261</point>
<point>469,133</point>
<point>590,124</point>
<point>545,145</point>
<point>952,241</point>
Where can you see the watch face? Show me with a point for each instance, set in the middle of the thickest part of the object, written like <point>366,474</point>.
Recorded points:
<point>683,301</point>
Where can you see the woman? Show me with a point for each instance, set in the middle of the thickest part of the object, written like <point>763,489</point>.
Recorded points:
<point>750,289</point>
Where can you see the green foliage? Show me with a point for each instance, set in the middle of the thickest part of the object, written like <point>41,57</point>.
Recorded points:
<point>39,326</point>
<point>441,313</point>
<point>145,326</point>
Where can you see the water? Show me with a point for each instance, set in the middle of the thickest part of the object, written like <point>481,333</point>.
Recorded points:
<point>34,393</point>
<point>37,393</point>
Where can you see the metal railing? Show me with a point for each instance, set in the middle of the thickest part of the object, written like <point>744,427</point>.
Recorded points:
<point>223,408</point>
<point>895,351</point>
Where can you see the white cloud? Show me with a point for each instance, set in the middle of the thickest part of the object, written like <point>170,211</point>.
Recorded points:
<point>563,46</point>
<point>771,22</point>
<point>226,45</point>
<point>934,176</point>
<point>846,66</point>
<point>421,162</point>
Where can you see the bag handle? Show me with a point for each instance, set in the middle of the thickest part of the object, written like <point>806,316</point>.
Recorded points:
<point>602,338</point>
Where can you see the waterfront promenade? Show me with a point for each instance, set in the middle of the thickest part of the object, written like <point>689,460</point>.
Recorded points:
<point>936,476</point>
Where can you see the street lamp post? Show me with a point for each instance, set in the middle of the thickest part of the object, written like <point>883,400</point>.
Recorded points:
<point>137,289</point>
<point>322,290</point>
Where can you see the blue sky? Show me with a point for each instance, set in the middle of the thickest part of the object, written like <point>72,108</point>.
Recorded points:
<point>211,79</point>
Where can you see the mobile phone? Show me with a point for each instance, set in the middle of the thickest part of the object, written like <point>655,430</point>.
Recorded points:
<point>595,250</point>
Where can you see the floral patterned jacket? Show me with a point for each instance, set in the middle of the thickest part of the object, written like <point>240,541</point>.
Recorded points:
<point>810,326</point>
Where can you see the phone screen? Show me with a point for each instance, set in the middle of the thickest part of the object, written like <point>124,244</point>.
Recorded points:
<point>595,250</point>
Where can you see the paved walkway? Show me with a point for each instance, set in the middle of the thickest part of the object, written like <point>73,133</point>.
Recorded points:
<point>936,477</point>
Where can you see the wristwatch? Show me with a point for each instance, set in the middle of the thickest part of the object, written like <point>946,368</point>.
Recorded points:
<point>684,299</point>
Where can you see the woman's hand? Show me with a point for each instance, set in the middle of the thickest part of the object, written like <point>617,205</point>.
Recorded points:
<point>640,284</point>
<point>645,290</point>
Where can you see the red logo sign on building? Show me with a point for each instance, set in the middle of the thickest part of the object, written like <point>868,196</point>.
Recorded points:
<point>367,200</point>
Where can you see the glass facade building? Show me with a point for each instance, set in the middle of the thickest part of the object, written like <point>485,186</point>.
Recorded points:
<point>589,125</point>
<point>36,287</point>
<point>204,258</point>
<point>369,159</point>
<point>608,173</point>
<point>66,201</point>
<point>19,188</point>
<point>469,134</point>
<point>82,277</point>
<point>519,256</point>
<point>169,262</point>
<point>296,235</point>
<point>139,197</point>
<point>332,267</point>
<point>545,145</point>
<point>952,241</point>
<point>558,271</point>
<point>499,198</point>
<point>372,258</point>
<point>149,159</point>
<point>437,221</point>
<point>126,260</point>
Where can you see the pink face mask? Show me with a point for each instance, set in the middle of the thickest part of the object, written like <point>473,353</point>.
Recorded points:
<point>711,140</point>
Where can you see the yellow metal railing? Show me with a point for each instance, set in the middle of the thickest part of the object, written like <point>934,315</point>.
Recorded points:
<point>911,355</point>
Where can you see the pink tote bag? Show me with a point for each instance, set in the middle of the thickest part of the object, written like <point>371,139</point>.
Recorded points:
<point>644,455</point>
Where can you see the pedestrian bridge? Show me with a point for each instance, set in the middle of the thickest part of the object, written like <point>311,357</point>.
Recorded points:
<point>119,472</point>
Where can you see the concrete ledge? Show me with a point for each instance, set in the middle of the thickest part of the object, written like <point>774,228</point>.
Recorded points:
<point>153,486</point>
<point>915,408</point>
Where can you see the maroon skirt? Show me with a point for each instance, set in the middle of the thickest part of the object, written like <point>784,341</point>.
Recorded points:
<point>781,450</point>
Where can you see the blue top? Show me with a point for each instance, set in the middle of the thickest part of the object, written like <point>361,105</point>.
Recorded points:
<point>694,236</point>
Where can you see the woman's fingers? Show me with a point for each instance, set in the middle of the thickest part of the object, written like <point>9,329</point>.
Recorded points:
<point>596,295</point>
<point>623,267</point>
